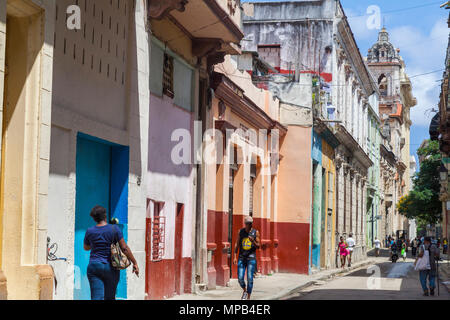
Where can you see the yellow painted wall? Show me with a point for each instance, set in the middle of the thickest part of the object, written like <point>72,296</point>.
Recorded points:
<point>175,39</point>
<point>328,164</point>
<point>17,155</point>
<point>24,234</point>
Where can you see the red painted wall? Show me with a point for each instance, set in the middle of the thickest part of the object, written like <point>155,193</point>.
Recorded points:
<point>263,255</point>
<point>217,239</point>
<point>285,245</point>
<point>160,275</point>
<point>161,281</point>
<point>293,248</point>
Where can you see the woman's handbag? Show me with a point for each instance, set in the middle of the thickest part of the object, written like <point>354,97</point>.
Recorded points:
<point>423,263</point>
<point>119,260</point>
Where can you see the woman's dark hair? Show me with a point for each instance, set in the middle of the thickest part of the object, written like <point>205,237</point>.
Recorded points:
<point>98,213</point>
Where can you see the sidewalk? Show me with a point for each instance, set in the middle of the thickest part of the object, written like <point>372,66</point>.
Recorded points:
<point>271,287</point>
<point>444,271</point>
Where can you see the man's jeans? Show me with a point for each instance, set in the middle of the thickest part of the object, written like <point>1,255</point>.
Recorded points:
<point>250,265</point>
<point>431,274</point>
<point>103,280</point>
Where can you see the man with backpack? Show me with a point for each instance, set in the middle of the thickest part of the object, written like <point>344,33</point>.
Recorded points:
<point>426,264</point>
<point>247,241</point>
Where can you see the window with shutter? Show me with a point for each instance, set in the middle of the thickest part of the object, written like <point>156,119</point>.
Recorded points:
<point>158,232</point>
<point>168,76</point>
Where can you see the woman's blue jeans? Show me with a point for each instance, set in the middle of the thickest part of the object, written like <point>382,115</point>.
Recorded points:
<point>250,265</point>
<point>103,280</point>
<point>424,274</point>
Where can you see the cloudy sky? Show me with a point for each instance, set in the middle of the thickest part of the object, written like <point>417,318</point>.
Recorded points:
<point>419,29</point>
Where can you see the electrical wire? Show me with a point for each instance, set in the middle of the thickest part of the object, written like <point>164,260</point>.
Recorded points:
<point>399,10</point>
<point>331,85</point>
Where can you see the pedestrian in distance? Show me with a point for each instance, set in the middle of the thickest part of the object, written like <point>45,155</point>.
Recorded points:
<point>414,245</point>
<point>392,247</point>
<point>377,246</point>
<point>403,251</point>
<point>445,246</point>
<point>247,241</point>
<point>350,246</point>
<point>103,278</point>
<point>426,264</point>
<point>343,252</point>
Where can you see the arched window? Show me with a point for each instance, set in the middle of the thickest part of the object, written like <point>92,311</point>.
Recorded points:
<point>383,85</point>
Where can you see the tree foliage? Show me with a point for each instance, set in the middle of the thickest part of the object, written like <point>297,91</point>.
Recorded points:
<point>422,202</point>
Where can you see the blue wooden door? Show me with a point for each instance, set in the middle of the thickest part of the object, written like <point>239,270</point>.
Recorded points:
<point>93,172</point>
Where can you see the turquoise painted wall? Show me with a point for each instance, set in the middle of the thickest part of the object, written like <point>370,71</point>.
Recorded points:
<point>102,170</point>
<point>317,200</point>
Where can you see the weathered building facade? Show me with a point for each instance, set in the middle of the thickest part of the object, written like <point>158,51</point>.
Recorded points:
<point>98,146</point>
<point>387,186</point>
<point>299,39</point>
<point>242,181</point>
<point>373,180</point>
<point>158,111</point>
<point>183,55</point>
<point>439,130</point>
<point>355,95</point>
<point>396,99</point>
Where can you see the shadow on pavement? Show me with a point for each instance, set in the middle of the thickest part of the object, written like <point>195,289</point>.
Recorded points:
<point>366,294</point>
<point>398,281</point>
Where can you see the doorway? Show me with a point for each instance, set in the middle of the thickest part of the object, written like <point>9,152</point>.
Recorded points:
<point>101,179</point>
<point>179,248</point>
<point>233,169</point>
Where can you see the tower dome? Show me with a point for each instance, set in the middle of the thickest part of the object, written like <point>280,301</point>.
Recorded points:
<point>382,50</point>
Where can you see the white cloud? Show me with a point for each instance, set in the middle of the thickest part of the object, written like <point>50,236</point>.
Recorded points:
<point>423,53</point>
<point>359,27</point>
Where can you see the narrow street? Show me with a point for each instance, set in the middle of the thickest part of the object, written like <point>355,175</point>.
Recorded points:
<point>397,281</point>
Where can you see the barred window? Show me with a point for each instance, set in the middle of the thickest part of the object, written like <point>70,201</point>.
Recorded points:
<point>158,232</point>
<point>168,76</point>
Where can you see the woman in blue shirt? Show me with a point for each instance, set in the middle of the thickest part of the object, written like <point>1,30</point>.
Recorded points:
<point>103,278</point>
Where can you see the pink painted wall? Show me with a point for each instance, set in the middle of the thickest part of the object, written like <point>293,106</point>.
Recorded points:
<point>166,181</point>
<point>294,176</point>
<point>292,225</point>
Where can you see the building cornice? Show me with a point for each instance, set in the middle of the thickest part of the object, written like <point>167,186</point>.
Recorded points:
<point>352,51</point>
<point>226,90</point>
<point>346,139</point>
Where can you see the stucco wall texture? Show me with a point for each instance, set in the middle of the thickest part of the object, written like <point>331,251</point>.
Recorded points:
<point>100,89</point>
<point>25,148</point>
<point>302,41</point>
<point>167,181</point>
<point>294,200</point>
